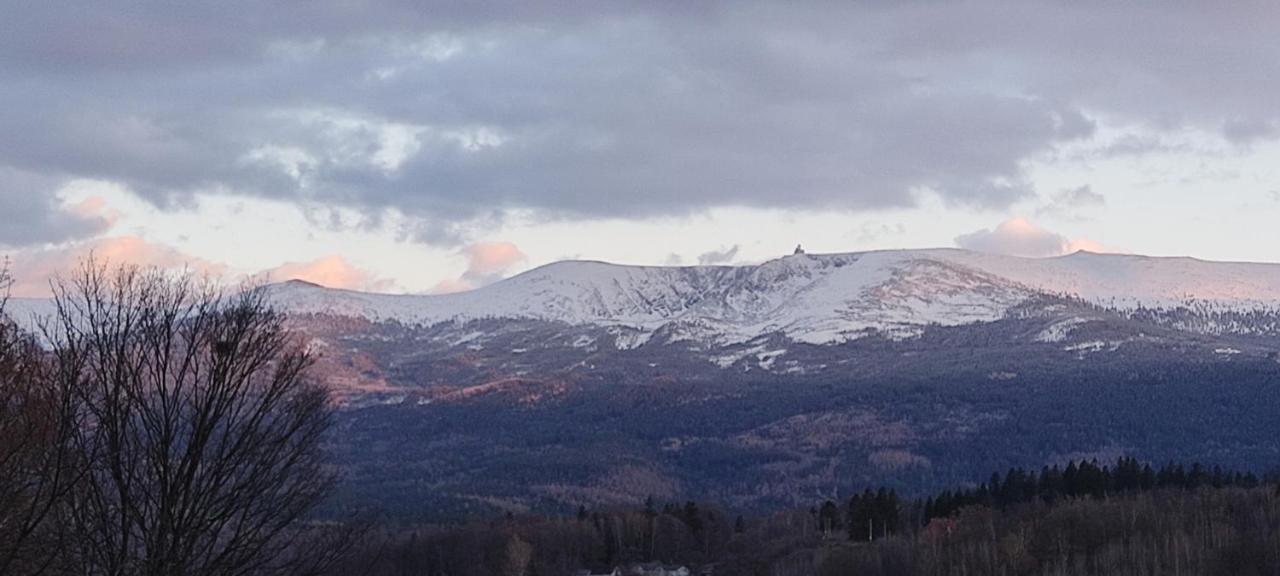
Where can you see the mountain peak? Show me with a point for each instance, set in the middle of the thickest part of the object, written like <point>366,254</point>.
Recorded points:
<point>815,298</point>
<point>300,283</point>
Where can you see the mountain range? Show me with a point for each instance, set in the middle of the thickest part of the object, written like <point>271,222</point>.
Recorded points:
<point>807,376</point>
<point>823,300</point>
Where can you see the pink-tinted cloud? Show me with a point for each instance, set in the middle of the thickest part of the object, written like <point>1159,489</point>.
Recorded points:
<point>32,269</point>
<point>34,214</point>
<point>1019,237</point>
<point>332,271</point>
<point>1087,245</point>
<point>488,258</point>
<point>487,262</point>
<point>95,208</point>
<point>450,285</point>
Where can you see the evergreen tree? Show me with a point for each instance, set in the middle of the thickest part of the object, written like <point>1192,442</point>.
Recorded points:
<point>829,517</point>
<point>692,517</point>
<point>1148,479</point>
<point>1070,488</point>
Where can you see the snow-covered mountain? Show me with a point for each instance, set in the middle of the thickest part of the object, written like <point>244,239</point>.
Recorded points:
<point>812,298</point>
<point>768,384</point>
<point>774,382</point>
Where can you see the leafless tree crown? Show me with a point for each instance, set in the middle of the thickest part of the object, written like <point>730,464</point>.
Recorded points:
<point>37,468</point>
<point>190,433</point>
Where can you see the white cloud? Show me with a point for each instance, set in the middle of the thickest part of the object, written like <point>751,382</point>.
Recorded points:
<point>332,271</point>
<point>33,268</point>
<point>1019,237</point>
<point>487,262</point>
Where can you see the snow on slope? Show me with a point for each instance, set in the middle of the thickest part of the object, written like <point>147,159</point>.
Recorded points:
<point>810,298</point>
<point>28,312</point>
<point>1125,280</point>
<point>819,298</point>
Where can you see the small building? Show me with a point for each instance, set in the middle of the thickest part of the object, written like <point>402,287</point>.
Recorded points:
<point>616,572</point>
<point>655,569</point>
<point>645,569</point>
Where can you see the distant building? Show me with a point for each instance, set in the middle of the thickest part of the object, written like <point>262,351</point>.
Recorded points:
<point>655,569</point>
<point>646,569</point>
<point>616,572</point>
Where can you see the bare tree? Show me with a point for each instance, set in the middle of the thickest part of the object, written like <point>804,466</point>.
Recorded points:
<point>37,467</point>
<point>200,431</point>
<point>516,556</point>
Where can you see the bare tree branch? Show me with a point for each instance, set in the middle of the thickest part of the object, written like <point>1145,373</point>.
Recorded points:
<point>37,465</point>
<point>200,431</point>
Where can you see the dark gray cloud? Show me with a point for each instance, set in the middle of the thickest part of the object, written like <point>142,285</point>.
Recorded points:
<point>1244,131</point>
<point>30,215</point>
<point>1136,145</point>
<point>721,256</point>
<point>1079,196</point>
<point>450,112</point>
<point>873,231</point>
<point>1069,202</point>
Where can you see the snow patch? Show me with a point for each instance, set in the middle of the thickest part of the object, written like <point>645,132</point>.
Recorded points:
<point>766,359</point>
<point>1058,331</point>
<point>818,299</point>
<point>727,360</point>
<point>630,339</point>
<point>1091,346</point>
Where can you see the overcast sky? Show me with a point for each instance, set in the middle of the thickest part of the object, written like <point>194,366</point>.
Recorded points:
<point>422,146</point>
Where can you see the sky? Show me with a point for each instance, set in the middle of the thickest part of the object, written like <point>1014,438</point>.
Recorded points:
<point>428,147</point>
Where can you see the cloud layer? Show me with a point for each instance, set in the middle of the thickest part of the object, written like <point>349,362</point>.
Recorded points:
<point>721,256</point>
<point>448,112</point>
<point>1019,237</point>
<point>31,213</point>
<point>331,271</point>
<point>33,269</point>
<point>487,262</point>
<point>1071,201</point>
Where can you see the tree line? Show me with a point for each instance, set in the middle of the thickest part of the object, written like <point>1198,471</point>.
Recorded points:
<point>1126,517</point>
<point>1080,479</point>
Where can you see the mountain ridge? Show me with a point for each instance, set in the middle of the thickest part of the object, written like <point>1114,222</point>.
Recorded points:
<point>587,383</point>
<point>814,298</point>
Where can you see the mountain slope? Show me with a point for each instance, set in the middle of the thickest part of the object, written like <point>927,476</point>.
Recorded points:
<point>826,298</point>
<point>801,378</point>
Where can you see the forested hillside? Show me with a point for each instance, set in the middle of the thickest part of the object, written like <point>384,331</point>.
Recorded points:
<point>1082,518</point>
